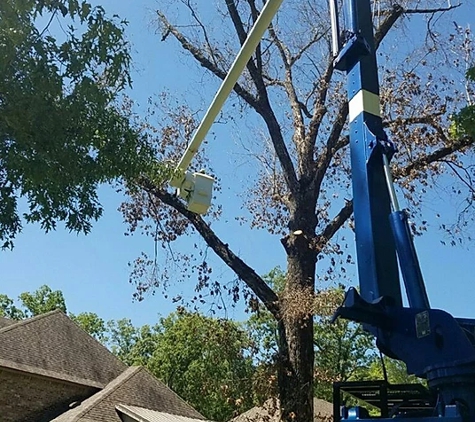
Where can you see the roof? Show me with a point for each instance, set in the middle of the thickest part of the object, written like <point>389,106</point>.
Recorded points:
<point>141,414</point>
<point>269,412</point>
<point>134,387</point>
<point>4,322</point>
<point>52,345</point>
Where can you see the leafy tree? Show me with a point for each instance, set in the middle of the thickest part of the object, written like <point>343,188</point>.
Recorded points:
<point>207,361</point>
<point>61,130</point>
<point>8,308</point>
<point>123,337</point>
<point>393,370</point>
<point>343,350</point>
<point>302,191</point>
<point>44,300</point>
<point>41,301</point>
<point>92,324</point>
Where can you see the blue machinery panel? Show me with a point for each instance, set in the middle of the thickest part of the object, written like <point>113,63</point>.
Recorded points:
<point>432,343</point>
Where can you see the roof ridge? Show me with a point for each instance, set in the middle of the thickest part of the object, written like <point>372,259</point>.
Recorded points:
<point>23,322</point>
<point>107,391</point>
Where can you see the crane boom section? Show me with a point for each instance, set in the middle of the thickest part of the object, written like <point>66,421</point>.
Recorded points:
<point>245,53</point>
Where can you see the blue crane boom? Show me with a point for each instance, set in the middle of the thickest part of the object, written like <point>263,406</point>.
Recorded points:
<point>433,344</point>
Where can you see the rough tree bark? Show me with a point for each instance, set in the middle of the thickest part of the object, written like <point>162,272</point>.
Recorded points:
<point>318,143</point>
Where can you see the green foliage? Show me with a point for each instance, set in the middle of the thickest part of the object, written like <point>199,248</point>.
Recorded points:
<point>123,336</point>
<point>396,372</point>
<point>8,309</point>
<point>343,352</point>
<point>61,131</point>
<point>463,123</point>
<point>41,301</point>
<point>206,361</point>
<point>92,324</point>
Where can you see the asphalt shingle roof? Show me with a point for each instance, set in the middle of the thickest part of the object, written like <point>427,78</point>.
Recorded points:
<point>5,322</point>
<point>53,367</point>
<point>135,387</point>
<point>52,345</point>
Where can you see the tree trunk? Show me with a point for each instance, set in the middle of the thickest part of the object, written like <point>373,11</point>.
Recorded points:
<point>295,372</point>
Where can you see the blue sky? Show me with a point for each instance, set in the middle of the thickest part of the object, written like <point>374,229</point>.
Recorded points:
<point>92,270</point>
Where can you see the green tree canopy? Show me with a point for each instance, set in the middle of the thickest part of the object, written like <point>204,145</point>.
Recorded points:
<point>61,129</point>
<point>8,308</point>
<point>41,301</point>
<point>92,324</point>
<point>207,361</point>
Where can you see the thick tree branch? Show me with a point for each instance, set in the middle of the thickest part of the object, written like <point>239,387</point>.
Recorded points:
<point>242,270</point>
<point>319,109</point>
<point>332,146</point>
<point>436,10</point>
<point>302,147</point>
<point>204,61</point>
<point>423,161</point>
<point>334,225</point>
<point>264,107</point>
<point>413,120</point>
<point>254,70</point>
<point>391,18</point>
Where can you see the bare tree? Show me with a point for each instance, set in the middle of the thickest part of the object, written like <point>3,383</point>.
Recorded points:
<point>302,191</point>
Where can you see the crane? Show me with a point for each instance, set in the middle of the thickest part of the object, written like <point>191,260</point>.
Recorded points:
<point>432,343</point>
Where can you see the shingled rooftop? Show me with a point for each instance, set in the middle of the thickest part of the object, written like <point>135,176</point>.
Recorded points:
<point>52,370</point>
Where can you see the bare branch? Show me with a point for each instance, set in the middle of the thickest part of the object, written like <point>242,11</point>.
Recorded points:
<point>332,146</point>
<point>456,169</point>
<point>334,225</point>
<point>316,38</point>
<point>319,109</point>
<point>243,271</point>
<point>265,108</point>
<point>414,120</point>
<point>435,10</point>
<point>261,104</point>
<point>203,29</point>
<point>204,61</point>
<point>424,160</point>
<point>254,71</point>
